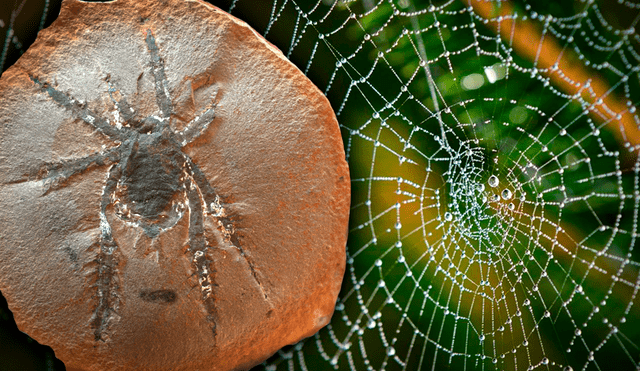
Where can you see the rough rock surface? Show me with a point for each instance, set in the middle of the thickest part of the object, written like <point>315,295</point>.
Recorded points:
<point>173,191</point>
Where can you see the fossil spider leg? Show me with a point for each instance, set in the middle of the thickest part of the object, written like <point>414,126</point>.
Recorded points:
<point>55,174</point>
<point>197,126</point>
<point>107,260</point>
<point>215,206</point>
<point>198,247</point>
<point>82,112</point>
<point>124,109</point>
<point>157,68</point>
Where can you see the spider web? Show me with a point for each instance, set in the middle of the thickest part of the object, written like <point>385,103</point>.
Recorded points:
<point>493,149</point>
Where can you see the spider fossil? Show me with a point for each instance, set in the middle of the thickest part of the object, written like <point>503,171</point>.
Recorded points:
<point>150,183</point>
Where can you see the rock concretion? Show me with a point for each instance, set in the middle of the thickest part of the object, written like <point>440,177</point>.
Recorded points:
<point>174,192</point>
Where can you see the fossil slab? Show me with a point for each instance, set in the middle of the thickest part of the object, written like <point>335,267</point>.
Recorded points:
<point>173,190</point>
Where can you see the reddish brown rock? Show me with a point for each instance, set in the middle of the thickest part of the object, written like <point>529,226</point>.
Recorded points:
<point>174,192</point>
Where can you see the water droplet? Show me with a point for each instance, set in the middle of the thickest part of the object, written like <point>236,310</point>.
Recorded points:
<point>512,206</point>
<point>563,132</point>
<point>391,351</point>
<point>378,263</point>
<point>547,314</point>
<point>578,332</point>
<point>568,368</point>
<point>398,225</point>
<point>526,302</point>
<point>480,187</point>
<point>545,361</point>
<point>448,217</point>
<point>371,324</point>
<point>493,181</point>
<point>506,194</point>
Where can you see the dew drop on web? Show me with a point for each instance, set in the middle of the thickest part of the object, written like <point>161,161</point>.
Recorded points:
<point>391,351</point>
<point>493,181</point>
<point>506,194</point>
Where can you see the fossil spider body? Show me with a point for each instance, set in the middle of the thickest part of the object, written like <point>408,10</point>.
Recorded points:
<point>150,183</point>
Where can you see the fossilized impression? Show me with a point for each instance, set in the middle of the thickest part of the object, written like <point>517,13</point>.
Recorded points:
<point>149,170</point>
<point>155,185</point>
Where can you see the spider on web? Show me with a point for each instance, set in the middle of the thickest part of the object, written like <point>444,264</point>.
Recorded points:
<point>148,183</point>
